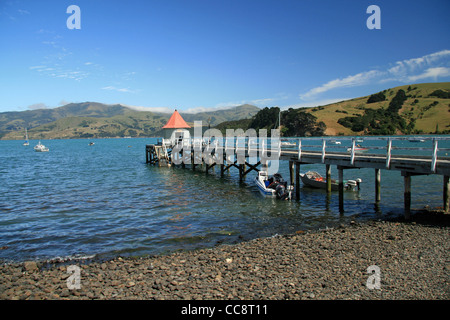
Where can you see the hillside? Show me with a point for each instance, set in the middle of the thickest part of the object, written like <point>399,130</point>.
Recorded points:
<point>421,110</point>
<point>92,119</point>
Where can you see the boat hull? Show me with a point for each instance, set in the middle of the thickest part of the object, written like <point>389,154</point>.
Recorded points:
<point>314,180</point>
<point>318,184</point>
<point>262,188</point>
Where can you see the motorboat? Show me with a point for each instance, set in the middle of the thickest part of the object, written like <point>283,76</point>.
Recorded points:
<point>273,186</point>
<point>40,147</point>
<point>287,144</point>
<point>315,180</point>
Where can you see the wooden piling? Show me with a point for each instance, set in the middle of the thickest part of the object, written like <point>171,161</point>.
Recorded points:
<point>297,180</point>
<point>446,194</point>
<point>377,185</point>
<point>341,189</point>
<point>291,172</point>
<point>328,177</point>
<point>407,195</point>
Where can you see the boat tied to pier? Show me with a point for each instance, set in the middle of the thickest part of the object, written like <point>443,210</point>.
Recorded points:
<point>273,186</point>
<point>315,180</point>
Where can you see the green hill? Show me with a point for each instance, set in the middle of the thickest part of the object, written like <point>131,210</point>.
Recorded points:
<point>92,119</point>
<point>426,107</point>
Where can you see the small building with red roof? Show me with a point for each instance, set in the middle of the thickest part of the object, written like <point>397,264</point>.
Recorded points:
<point>176,128</point>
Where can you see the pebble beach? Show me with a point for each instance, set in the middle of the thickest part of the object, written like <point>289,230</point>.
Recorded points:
<point>412,260</point>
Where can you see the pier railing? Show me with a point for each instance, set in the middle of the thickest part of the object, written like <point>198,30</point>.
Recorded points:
<point>430,147</point>
<point>425,148</point>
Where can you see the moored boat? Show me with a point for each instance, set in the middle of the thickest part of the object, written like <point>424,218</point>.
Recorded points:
<point>315,180</point>
<point>40,147</point>
<point>273,186</point>
<point>26,143</point>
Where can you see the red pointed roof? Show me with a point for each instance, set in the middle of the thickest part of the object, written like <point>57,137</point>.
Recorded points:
<point>176,122</point>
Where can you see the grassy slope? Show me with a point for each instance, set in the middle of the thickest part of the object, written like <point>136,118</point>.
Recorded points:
<point>425,120</point>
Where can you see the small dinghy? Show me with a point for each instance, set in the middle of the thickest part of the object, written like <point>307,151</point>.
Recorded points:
<point>315,180</point>
<point>273,186</point>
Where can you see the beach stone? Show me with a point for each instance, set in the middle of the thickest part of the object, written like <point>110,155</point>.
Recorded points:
<point>30,266</point>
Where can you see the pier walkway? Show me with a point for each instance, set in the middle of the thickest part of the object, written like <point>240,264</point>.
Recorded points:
<point>429,155</point>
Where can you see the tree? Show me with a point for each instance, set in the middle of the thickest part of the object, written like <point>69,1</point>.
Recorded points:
<point>376,97</point>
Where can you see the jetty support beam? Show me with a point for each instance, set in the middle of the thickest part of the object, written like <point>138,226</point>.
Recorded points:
<point>407,195</point>
<point>297,181</point>
<point>341,189</point>
<point>328,177</point>
<point>446,194</point>
<point>377,185</point>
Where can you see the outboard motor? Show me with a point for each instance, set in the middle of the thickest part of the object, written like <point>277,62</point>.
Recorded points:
<point>358,182</point>
<point>280,192</point>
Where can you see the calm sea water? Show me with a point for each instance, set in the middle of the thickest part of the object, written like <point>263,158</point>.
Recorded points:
<point>101,201</point>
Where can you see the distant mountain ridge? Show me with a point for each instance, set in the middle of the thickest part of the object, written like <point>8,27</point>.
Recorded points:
<point>93,119</point>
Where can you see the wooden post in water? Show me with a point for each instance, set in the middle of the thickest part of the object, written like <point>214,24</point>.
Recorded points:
<point>341,189</point>
<point>297,180</point>
<point>407,195</point>
<point>291,171</point>
<point>446,194</point>
<point>328,177</point>
<point>377,185</point>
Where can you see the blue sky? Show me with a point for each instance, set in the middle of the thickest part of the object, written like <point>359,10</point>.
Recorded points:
<point>207,54</point>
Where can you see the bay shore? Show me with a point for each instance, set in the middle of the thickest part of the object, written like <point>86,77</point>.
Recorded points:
<point>406,260</point>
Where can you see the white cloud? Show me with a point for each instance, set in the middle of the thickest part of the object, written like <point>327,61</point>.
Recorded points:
<point>112,88</point>
<point>350,81</point>
<point>151,109</point>
<point>432,73</point>
<point>432,66</point>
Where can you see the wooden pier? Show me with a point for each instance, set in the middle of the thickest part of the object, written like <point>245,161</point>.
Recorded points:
<point>315,151</point>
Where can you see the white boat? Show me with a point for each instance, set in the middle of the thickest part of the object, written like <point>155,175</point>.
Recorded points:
<point>288,144</point>
<point>26,143</point>
<point>335,142</point>
<point>315,180</point>
<point>273,186</point>
<point>416,140</point>
<point>40,147</point>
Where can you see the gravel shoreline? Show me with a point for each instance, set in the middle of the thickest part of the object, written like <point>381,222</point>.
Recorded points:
<point>413,260</point>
